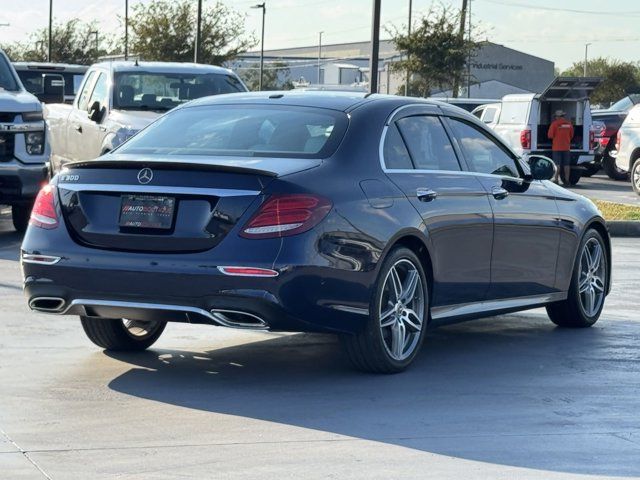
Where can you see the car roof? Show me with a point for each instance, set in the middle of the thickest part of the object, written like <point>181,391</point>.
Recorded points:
<point>160,67</point>
<point>334,100</point>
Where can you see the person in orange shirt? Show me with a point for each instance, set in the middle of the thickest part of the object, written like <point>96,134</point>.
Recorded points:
<point>561,133</point>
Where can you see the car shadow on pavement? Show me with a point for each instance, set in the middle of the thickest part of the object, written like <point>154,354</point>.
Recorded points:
<point>512,390</point>
<point>10,241</point>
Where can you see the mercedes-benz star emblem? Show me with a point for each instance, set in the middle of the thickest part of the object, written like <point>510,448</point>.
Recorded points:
<point>145,175</point>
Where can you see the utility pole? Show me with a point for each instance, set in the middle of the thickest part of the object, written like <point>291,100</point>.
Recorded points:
<point>319,55</point>
<point>196,50</point>
<point>50,26</point>
<point>586,55</point>
<point>95,32</point>
<point>264,13</point>
<point>469,58</point>
<point>375,47</point>
<point>126,29</point>
<point>463,24</point>
<point>406,84</point>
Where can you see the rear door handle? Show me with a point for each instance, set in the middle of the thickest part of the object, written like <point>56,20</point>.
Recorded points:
<point>77,127</point>
<point>426,194</point>
<point>499,193</point>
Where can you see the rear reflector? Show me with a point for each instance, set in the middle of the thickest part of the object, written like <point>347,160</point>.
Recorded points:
<point>40,259</point>
<point>248,272</point>
<point>283,215</point>
<point>43,214</point>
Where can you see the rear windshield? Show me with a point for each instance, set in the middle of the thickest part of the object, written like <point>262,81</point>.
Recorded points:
<point>514,112</point>
<point>164,91</point>
<point>33,80</point>
<point>247,130</point>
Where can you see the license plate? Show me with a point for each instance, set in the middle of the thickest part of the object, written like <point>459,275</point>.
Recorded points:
<point>147,211</point>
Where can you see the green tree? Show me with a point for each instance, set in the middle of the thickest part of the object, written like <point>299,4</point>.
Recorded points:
<point>620,78</point>
<point>165,30</point>
<point>434,53</point>
<point>71,42</point>
<point>276,76</point>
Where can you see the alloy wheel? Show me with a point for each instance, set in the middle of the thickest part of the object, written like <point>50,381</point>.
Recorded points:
<point>636,175</point>
<point>591,283</point>
<point>401,310</point>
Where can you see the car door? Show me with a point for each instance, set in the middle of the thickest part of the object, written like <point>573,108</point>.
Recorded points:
<point>420,159</point>
<point>526,220</point>
<point>91,133</point>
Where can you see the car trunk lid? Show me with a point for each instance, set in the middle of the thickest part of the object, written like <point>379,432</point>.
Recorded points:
<point>163,204</point>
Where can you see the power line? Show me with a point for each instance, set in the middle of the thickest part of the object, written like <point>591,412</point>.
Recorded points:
<point>567,10</point>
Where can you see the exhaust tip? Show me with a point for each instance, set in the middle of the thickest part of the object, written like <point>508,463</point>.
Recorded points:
<point>238,319</point>
<point>47,304</point>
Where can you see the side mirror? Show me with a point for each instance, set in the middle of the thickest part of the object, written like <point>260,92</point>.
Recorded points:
<point>52,89</point>
<point>542,168</point>
<point>95,112</point>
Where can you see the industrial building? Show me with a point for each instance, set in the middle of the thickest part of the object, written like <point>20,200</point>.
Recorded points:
<point>496,70</point>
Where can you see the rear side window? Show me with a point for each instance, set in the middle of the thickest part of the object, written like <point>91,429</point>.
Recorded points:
<point>248,130</point>
<point>396,155</point>
<point>428,143</point>
<point>482,152</point>
<point>514,112</point>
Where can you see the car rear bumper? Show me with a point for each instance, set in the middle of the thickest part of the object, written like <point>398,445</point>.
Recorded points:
<point>301,298</point>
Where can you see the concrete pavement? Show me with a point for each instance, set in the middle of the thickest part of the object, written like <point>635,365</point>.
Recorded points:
<point>601,187</point>
<point>504,398</point>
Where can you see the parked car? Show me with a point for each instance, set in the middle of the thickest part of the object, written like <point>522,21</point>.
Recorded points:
<point>525,119</point>
<point>488,114</point>
<point>32,75</point>
<point>24,149</point>
<point>117,99</point>
<point>627,148</point>
<point>369,216</point>
<point>612,119</point>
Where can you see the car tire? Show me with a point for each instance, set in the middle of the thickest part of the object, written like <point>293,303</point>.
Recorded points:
<point>398,315</point>
<point>611,169</point>
<point>590,169</point>
<point>588,287</point>
<point>574,177</point>
<point>635,176</point>
<point>20,216</point>
<point>120,334</point>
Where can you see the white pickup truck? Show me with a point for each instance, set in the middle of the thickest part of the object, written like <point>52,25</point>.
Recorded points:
<point>24,150</point>
<point>117,99</point>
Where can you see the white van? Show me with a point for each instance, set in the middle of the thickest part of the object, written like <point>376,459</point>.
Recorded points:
<point>525,119</point>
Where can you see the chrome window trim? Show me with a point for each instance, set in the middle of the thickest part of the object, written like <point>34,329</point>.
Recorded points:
<point>416,170</point>
<point>157,189</point>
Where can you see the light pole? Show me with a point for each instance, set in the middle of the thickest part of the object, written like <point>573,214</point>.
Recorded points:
<point>319,55</point>
<point>50,25</point>
<point>264,12</point>
<point>196,50</point>
<point>375,47</point>
<point>406,85</point>
<point>126,29</point>
<point>95,32</point>
<point>586,55</point>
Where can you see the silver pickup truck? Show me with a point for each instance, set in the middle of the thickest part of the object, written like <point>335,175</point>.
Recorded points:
<point>24,150</point>
<point>117,99</point>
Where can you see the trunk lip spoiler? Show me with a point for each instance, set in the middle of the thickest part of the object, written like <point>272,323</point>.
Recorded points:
<point>169,165</point>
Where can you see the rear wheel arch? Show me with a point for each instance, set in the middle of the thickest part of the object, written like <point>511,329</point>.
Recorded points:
<point>633,157</point>
<point>418,245</point>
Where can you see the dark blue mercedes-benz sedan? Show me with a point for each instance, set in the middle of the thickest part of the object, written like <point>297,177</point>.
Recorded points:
<point>370,216</point>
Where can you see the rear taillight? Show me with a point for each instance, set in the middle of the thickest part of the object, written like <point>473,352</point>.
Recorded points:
<point>525,139</point>
<point>283,215</point>
<point>618,141</point>
<point>592,139</point>
<point>44,214</point>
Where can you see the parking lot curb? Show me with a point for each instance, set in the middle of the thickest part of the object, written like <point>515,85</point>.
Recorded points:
<point>623,228</point>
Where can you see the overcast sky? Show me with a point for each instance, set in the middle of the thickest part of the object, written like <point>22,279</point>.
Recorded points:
<point>552,29</point>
